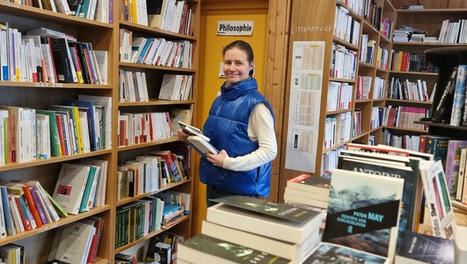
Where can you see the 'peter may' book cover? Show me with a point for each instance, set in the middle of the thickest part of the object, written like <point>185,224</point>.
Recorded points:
<point>363,212</point>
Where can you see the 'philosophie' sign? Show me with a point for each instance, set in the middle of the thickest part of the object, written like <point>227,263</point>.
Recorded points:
<point>235,28</point>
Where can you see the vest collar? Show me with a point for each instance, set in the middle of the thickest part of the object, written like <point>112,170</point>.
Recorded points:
<point>233,91</point>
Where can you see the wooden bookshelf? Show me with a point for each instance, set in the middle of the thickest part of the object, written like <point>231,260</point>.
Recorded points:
<point>103,36</point>
<point>435,74</point>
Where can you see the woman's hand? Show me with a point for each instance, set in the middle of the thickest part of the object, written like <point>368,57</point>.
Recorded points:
<point>182,135</point>
<point>217,159</point>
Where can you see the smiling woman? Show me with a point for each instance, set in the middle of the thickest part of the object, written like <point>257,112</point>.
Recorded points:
<point>241,125</point>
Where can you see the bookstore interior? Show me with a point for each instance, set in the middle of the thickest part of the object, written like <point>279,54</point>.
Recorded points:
<point>370,106</point>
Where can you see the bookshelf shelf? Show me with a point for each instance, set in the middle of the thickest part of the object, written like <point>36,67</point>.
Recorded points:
<point>359,136</point>
<point>156,102</point>
<point>426,44</point>
<point>21,165</point>
<point>378,100</point>
<point>422,12</point>
<point>34,12</point>
<point>368,27</point>
<point>421,131</point>
<point>149,144</point>
<point>165,188</point>
<point>382,70</point>
<point>361,101</point>
<point>152,67</point>
<point>351,12</point>
<point>409,101</point>
<point>341,80</point>
<point>366,65</point>
<point>345,43</point>
<point>156,31</point>
<point>338,111</point>
<point>53,225</point>
<point>55,85</point>
<point>434,74</point>
<point>429,123</point>
<point>101,261</point>
<point>148,236</point>
<point>375,130</point>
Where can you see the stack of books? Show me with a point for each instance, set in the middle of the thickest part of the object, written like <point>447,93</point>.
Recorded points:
<point>239,229</point>
<point>308,190</point>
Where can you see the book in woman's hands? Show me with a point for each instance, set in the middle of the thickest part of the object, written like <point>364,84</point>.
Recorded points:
<point>192,131</point>
<point>201,145</point>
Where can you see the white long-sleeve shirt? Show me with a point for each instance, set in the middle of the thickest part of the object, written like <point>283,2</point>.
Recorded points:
<point>261,130</point>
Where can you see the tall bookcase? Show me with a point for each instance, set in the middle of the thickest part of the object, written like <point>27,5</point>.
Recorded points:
<point>103,36</point>
<point>316,23</point>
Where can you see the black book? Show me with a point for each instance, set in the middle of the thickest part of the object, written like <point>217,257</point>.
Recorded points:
<point>62,63</point>
<point>441,110</point>
<point>419,248</point>
<point>83,63</point>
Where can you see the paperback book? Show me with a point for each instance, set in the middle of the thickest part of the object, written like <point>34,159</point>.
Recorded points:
<point>363,212</point>
<point>333,253</point>
<point>419,248</point>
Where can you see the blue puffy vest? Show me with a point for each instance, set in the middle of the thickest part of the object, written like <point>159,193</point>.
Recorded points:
<point>227,127</point>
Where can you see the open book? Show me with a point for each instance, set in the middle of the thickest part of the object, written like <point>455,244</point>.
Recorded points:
<point>201,145</point>
<point>192,131</point>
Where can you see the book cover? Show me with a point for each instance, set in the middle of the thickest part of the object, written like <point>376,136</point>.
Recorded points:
<point>420,248</point>
<point>333,253</point>
<point>201,146</point>
<point>205,249</point>
<point>452,163</point>
<point>308,183</point>
<point>380,169</point>
<point>10,226</point>
<point>363,212</point>
<point>437,198</point>
<point>70,186</point>
<point>74,241</point>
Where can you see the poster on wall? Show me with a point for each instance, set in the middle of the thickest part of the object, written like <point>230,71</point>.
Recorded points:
<point>235,28</point>
<point>304,105</point>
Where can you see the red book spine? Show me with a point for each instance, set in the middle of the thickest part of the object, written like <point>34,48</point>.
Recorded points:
<point>32,205</point>
<point>61,134</point>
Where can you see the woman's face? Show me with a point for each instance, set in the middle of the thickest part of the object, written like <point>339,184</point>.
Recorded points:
<point>236,65</point>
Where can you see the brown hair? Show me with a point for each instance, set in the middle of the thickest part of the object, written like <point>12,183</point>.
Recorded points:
<point>241,45</point>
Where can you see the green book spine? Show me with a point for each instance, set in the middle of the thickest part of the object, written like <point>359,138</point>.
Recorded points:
<point>56,205</point>
<point>87,189</point>
<point>54,138</point>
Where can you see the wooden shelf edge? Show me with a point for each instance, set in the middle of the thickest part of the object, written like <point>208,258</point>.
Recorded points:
<point>154,233</point>
<point>50,15</point>
<point>155,102</point>
<point>344,43</point>
<point>20,165</point>
<point>148,144</point>
<point>153,67</point>
<point>407,129</point>
<point>366,64</point>
<point>165,188</point>
<point>427,44</point>
<point>426,11</point>
<point>409,101</point>
<point>54,85</point>
<point>429,123</point>
<point>415,73</point>
<point>157,30</point>
<point>341,80</point>
<point>53,225</point>
<point>338,111</point>
<point>359,101</point>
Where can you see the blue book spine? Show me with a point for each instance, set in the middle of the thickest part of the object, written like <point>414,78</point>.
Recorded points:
<point>10,228</point>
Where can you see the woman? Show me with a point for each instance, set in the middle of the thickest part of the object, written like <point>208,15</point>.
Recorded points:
<point>241,125</point>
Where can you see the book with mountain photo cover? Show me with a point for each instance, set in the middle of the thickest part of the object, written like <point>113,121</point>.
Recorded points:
<point>363,212</point>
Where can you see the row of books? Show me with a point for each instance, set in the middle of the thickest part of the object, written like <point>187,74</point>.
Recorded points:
<point>308,190</point>
<point>363,87</point>
<point>339,96</point>
<point>367,48</point>
<point>386,27</point>
<point>337,129</point>
<point>356,6</point>
<point>99,10</point>
<point>149,173</point>
<point>155,212</point>
<point>12,253</point>
<point>76,127</point>
<point>404,116</point>
<point>329,161</point>
<point>450,107</point>
<point>77,242</point>
<point>379,87</point>
<point>376,117</point>
<point>132,86</point>
<point>155,51</point>
<point>163,247</point>
<point>81,186</point>
<point>343,62</point>
<point>46,55</point>
<point>409,142</point>
<point>346,27</point>
<point>136,128</point>
<point>382,58</point>
<point>170,15</point>
<point>408,90</point>
<point>406,61</point>
<point>176,87</point>
<point>453,32</point>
